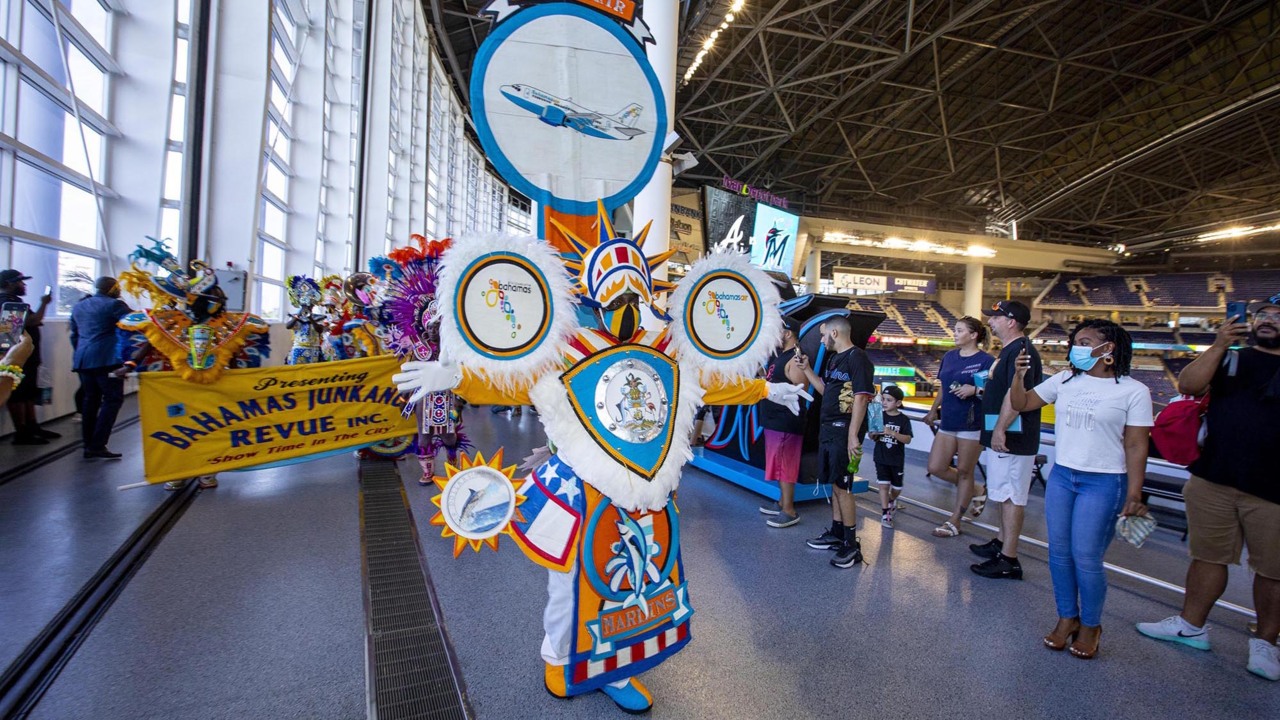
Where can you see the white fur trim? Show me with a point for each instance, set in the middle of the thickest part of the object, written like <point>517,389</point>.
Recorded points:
<point>755,356</point>
<point>591,463</point>
<point>506,374</point>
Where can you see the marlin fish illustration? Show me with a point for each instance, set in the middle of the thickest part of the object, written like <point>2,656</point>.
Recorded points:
<point>633,561</point>
<point>468,507</point>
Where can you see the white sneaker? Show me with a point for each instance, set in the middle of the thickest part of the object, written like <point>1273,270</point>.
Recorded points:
<point>1175,629</point>
<point>1264,659</point>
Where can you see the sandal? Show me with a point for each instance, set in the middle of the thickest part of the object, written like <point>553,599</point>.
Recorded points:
<point>1085,652</point>
<point>1064,634</point>
<point>978,504</point>
<point>946,529</point>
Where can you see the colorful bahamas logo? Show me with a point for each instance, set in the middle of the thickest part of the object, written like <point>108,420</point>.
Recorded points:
<point>496,297</point>
<point>715,305</point>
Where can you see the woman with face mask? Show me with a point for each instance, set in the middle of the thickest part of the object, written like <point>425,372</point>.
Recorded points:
<point>1104,419</point>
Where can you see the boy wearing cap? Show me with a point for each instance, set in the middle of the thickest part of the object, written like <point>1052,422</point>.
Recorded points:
<point>891,452</point>
<point>783,431</point>
<point>22,402</point>
<point>1014,439</point>
<point>1233,496</point>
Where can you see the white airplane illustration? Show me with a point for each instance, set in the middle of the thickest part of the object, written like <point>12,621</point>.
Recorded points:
<point>562,112</point>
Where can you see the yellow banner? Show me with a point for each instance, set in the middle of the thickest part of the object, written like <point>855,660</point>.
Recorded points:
<point>266,416</point>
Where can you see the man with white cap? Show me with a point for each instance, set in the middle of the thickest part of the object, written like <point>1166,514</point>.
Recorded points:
<point>1233,496</point>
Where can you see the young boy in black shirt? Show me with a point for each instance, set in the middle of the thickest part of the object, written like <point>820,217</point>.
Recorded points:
<point>891,452</point>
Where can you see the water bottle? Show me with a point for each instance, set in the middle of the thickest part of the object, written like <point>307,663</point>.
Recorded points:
<point>855,461</point>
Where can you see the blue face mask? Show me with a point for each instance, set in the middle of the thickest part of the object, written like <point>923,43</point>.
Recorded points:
<point>1082,358</point>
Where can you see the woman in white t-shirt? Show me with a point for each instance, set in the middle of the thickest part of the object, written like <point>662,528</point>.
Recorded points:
<point>1103,424</point>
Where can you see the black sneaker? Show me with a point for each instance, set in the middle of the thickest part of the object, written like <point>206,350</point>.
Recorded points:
<point>848,555</point>
<point>47,434</point>
<point>825,541</point>
<point>988,549</point>
<point>29,440</point>
<point>999,567</point>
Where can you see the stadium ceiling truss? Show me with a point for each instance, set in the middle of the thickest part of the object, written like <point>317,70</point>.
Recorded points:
<point>1141,122</point>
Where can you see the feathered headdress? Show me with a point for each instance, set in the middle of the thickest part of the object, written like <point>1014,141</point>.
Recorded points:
<point>607,266</point>
<point>303,291</point>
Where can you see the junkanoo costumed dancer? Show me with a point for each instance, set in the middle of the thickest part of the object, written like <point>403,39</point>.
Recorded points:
<point>308,327</point>
<point>188,329</point>
<point>411,329</point>
<point>617,403</point>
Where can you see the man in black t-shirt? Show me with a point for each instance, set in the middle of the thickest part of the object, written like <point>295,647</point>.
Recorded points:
<point>1233,496</point>
<point>783,431</point>
<point>1014,439</point>
<point>847,387</point>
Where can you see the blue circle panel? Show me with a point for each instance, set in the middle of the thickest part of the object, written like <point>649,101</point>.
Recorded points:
<point>495,152</point>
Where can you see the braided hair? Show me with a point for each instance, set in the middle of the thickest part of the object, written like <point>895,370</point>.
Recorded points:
<point>977,327</point>
<point>1122,354</point>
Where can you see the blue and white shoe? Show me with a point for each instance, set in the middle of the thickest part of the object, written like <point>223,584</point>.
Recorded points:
<point>633,698</point>
<point>1175,629</point>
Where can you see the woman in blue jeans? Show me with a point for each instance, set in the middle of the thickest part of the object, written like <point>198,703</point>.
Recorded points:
<point>1103,421</point>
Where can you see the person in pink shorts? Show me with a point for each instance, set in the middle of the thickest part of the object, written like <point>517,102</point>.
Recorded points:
<point>783,432</point>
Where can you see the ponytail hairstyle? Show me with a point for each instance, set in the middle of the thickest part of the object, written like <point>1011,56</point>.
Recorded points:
<point>976,327</point>
<point>1121,357</point>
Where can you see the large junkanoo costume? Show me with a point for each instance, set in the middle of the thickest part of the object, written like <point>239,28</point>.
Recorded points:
<point>617,403</point>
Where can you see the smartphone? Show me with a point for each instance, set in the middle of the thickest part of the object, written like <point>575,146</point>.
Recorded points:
<point>1238,310</point>
<point>13,319</point>
<point>47,289</point>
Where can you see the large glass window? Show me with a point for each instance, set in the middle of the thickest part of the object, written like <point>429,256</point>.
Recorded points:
<point>287,45</point>
<point>53,102</point>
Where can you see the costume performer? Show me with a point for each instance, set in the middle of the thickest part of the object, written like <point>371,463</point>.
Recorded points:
<point>333,346</point>
<point>188,331</point>
<point>617,403</point>
<point>412,331</point>
<point>308,327</point>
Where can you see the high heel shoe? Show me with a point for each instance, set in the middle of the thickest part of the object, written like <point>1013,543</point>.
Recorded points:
<point>1082,651</point>
<point>1062,634</point>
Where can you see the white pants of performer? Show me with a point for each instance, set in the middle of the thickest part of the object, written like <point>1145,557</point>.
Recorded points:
<point>557,621</point>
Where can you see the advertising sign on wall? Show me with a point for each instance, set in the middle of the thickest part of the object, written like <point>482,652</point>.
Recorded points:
<point>773,242</point>
<point>851,281</point>
<point>730,220</point>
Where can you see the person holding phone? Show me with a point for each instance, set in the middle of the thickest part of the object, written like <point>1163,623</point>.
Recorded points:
<point>24,397</point>
<point>1014,439</point>
<point>1233,498</point>
<point>1103,430</point>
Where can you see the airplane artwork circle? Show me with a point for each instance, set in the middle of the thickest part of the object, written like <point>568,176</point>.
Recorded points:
<point>722,315</point>
<point>504,305</point>
<point>477,503</point>
<point>568,108</point>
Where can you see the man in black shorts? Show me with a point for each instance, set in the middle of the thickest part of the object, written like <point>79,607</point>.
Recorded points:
<point>846,386</point>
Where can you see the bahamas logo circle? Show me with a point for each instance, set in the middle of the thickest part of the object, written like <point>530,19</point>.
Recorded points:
<point>722,315</point>
<point>504,305</point>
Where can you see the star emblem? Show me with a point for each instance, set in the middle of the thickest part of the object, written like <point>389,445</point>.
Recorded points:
<point>569,490</point>
<point>548,472</point>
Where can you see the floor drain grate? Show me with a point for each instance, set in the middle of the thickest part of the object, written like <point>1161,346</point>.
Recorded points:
<point>411,669</point>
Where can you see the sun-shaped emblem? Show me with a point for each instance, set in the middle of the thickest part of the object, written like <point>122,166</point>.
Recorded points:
<point>477,501</point>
